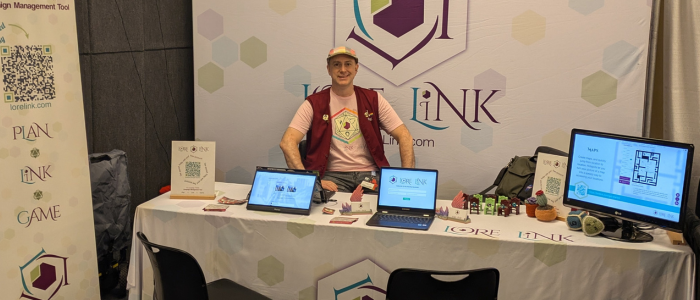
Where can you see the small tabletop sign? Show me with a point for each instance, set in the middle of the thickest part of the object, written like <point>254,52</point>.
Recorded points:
<point>192,173</point>
<point>550,176</point>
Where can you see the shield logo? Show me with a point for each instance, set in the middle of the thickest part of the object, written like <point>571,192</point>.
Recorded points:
<point>400,40</point>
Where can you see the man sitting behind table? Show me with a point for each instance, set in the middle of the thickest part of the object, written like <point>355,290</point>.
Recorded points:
<point>342,125</point>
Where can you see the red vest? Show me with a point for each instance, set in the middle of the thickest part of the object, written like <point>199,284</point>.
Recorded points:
<point>318,138</point>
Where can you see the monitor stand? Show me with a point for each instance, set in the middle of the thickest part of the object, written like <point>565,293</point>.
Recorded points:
<point>622,230</point>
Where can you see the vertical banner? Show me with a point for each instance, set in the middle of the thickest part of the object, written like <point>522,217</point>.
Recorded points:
<point>47,237</point>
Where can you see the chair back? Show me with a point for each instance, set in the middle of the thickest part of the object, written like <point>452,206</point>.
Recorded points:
<point>408,284</point>
<point>176,273</point>
<point>302,149</point>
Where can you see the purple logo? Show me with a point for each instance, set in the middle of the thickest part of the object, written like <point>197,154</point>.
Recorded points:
<point>43,276</point>
<point>393,179</point>
<point>401,39</point>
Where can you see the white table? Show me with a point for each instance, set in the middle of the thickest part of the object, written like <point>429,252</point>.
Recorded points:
<point>305,257</point>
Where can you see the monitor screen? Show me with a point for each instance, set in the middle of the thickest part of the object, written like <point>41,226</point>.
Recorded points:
<point>410,188</point>
<point>631,178</point>
<point>284,191</point>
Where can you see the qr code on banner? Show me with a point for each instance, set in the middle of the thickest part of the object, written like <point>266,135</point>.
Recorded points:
<point>27,73</point>
<point>553,185</point>
<point>192,169</point>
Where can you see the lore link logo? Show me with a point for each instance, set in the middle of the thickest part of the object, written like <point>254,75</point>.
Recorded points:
<point>31,132</point>
<point>43,276</point>
<point>479,98</point>
<point>31,175</point>
<point>402,39</point>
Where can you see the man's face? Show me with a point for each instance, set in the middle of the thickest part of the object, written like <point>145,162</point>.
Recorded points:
<point>342,69</point>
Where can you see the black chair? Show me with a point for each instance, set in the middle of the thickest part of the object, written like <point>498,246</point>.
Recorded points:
<point>691,233</point>
<point>409,284</point>
<point>177,275</point>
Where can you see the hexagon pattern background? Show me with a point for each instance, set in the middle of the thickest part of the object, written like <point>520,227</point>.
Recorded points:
<point>210,77</point>
<point>294,78</point>
<point>586,7</point>
<point>550,253</point>
<point>282,7</point>
<point>388,238</point>
<point>477,141</point>
<point>620,58</point>
<point>301,227</point>
<point>488,81</point>
<point>529,27</point>
<point>210,24</point>
<point>599,88</point>
<point>224,51</point>
<point>270,270</point>
<point>253,52</point>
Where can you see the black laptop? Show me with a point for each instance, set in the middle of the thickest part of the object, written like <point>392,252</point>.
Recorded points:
<point>282,190</point>
<point>406,198</point>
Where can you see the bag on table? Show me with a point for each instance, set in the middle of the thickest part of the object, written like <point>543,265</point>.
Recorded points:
<point>516,178</point>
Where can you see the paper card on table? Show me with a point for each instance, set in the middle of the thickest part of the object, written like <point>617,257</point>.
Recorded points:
<point>360,207</point>
<point>550,176</point>
<point>343,220</point>
<point>192,171</point>
<point>458,215</point>
<point>229,201</point>
<point>215,207</point>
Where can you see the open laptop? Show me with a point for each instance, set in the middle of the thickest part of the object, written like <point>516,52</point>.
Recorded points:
<point>282,190</point>
<point>406,198</point>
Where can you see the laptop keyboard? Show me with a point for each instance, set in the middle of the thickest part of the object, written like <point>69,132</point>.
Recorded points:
<point>403,219</point>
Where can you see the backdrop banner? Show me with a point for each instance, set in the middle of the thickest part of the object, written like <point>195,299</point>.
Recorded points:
<point>475,82</point>
<point>47,237</point>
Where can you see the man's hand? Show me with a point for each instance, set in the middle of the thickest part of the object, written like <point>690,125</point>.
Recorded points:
<point>405,140</point>
<point>290,148</point>
<point>329,185</point>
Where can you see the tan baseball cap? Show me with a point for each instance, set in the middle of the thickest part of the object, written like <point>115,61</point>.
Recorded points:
<point>342,50</point>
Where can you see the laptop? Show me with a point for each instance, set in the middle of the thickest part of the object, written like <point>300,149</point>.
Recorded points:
<point>406,198</point>
<point>282,190</point>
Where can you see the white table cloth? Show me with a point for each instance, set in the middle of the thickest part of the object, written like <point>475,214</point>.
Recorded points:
<point>305,257</point>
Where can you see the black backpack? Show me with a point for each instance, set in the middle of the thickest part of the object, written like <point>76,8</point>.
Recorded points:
<point>516,178</point>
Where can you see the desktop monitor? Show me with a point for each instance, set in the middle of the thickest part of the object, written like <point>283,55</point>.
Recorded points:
<point>631,179</point>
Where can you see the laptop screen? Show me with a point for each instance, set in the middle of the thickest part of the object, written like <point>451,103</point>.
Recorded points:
<point>411,188</point>
<point>282,189</point>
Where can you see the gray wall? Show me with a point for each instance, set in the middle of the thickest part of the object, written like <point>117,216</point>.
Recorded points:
<point>136,69</point>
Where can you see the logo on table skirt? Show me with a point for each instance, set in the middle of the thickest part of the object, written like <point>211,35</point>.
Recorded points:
<point>364,280</point>
<point>43,276</point>
<point>399,40</point>
<point>465,230</point>
<point>534,236</point>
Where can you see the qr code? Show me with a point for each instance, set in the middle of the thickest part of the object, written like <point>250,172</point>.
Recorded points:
<point>192,169</point>
<point>28,73</point>
<point>553,185</point>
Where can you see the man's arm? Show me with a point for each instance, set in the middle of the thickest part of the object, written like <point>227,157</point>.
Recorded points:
<point>405,140</point>
<point>290,148</point>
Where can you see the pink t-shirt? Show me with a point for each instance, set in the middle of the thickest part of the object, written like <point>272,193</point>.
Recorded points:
<point>348,148</point>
